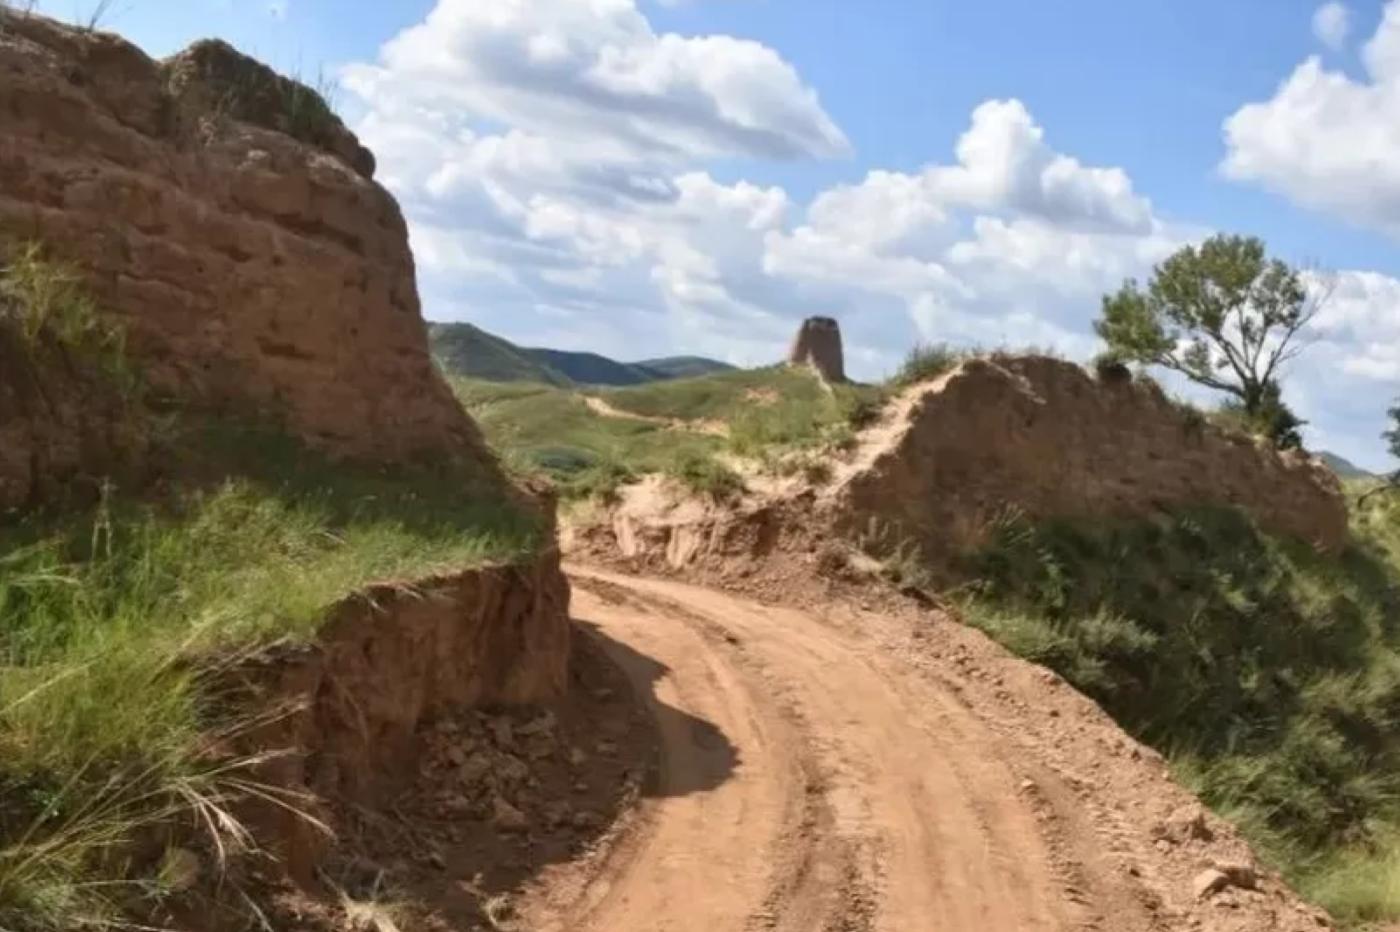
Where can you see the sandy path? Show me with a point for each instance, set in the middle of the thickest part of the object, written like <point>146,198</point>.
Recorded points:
<point>600,407</point>
<point>857,795</point>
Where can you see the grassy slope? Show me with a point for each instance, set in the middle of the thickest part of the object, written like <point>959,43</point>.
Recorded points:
<point>538,428</point>
<point>684,367</point>
<point>592,369</point>
<point>764,409</point>
<point>465,350</point>
<point>765,412</point>
<point>110,618</point>
<point>1267,672</point>
<point>107,619</point>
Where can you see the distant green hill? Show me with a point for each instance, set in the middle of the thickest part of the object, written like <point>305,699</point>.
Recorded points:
<point>592,369</point>
<point>684,367</point>
<point>467,351</point>
<point>1344,468</point>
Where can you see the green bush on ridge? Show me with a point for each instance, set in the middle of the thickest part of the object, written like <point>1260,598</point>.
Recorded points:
<point>1266,671</point>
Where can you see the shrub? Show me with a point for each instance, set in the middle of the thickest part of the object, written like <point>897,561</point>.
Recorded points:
<point>925,362</point>
<point>46,306</point>
<point>1111,369</point>
<point>1267,670</point>
<point>705,475</point>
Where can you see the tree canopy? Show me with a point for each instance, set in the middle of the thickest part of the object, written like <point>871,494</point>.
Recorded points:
<point>1224,315</point>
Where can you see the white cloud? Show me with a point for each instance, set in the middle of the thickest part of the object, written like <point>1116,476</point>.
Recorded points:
<point>555,161</point>
<point>1331,24</point>
<point>597,70</point>
<point>1327,141</point>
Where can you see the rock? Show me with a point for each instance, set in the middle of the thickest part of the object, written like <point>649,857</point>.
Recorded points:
<point>584,819</point>
<point>818,345</point>
<point>1239,874</point>
<point>1224,875</point>
<point>1207,882</point>
<point>506,817</point>
<point>558,812</point>
<point>577,757</point>
<point>503,732</point>
<point>544,725</point>
<point>456,804</point>
<point>474,770</point>
<point>180,870</point>
<point>606,747</point>
<point>511,770</point>
<point>1185,823</point>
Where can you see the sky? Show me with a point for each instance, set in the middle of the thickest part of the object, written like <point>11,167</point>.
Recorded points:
<point>655,177</point>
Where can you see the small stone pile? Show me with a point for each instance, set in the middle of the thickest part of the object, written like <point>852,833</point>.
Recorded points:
<point>484,767</point>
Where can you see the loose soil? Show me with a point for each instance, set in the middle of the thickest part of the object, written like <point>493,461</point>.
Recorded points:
<point>842,769</point>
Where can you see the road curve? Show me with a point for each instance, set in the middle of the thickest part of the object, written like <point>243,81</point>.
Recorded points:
<point>811,782</point>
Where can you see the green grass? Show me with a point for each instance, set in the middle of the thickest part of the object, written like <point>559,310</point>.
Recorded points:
<point>45,310</point>
<point>113,622</point>
<point>541,429</point>
<point>767,414</point>
<point>467,351</point>
<point>1266,671</point>
<point>926,362</point>
<point>705,475</point>
<point>765,410</point>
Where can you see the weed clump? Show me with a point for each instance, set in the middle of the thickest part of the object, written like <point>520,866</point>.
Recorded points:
<point>705,475</point>
<point>1267,671</point>
<point>46,310</point>
<point>927,361</point>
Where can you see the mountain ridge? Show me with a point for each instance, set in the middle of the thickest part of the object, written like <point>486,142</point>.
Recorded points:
<point>466,350</point>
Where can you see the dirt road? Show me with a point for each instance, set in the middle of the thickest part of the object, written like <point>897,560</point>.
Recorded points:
<point>809,783</point>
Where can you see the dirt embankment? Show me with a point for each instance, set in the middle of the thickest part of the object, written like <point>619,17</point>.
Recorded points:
<point>949,458</point>
<point>231,224</point>
<point>1041,436</point>
<point>376,715</point>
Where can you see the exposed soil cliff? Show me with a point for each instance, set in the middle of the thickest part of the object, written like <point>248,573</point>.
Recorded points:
<point>388,660</point>
<point>1042,436</point>
<point>229,221</point>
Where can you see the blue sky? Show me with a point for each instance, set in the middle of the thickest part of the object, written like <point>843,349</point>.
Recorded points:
<point>642,178</point>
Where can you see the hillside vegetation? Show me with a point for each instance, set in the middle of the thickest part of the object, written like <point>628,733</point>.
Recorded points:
<point>115,617</point>
<point>1268,672</point>
<point>467,351</point>
<point>681,427</point>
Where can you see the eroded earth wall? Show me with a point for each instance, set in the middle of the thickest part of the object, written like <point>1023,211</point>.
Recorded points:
<point>231,223</point>
<point>1043,437</point>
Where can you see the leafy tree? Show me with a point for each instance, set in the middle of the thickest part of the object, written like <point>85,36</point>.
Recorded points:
<point>1222,314</point>
<point>1390,482</point>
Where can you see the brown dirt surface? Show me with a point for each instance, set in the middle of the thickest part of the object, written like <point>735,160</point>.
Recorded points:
<point>841,768</point>
<point>499,794</point>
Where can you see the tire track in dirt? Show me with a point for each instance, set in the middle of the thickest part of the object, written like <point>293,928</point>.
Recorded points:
<point>860,798</point>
